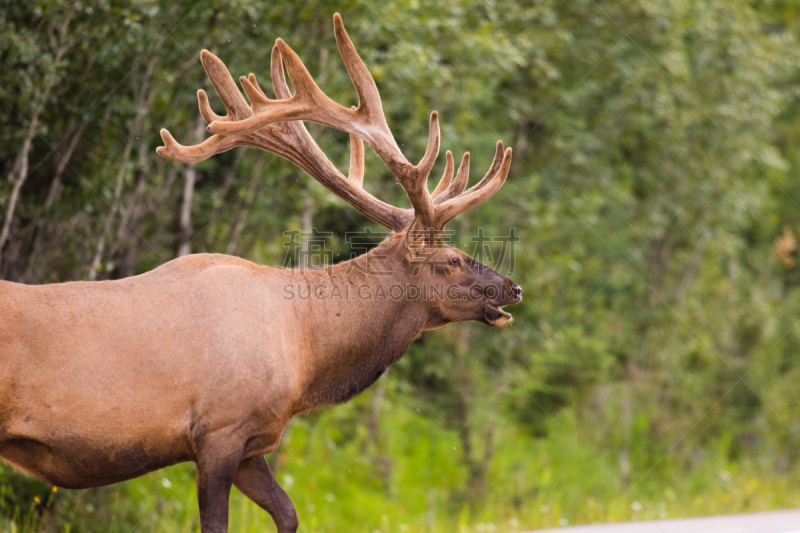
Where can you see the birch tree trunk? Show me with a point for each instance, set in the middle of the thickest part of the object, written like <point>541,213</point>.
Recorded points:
<point>189,180</point>
<point>20,168</point>
<point>241,220</point>
<point>52,196</point>
<point>143,103</point>
<point>129,219</point>
<point>304,258</point>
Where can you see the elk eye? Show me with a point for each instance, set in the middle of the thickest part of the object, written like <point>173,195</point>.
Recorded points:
<point>455,262</point>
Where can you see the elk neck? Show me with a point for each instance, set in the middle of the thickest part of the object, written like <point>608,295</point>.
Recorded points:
<point>358,323</point>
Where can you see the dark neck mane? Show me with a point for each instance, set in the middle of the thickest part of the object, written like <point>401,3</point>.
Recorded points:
<point>356,340</point>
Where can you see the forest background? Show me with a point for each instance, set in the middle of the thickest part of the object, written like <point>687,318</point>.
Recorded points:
<point>653,368</point>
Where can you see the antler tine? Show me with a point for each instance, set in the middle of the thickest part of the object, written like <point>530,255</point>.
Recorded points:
<point>499,155</point>
<point>226,88</point>
<point>236,105</point>
<point>447,176</point>
<point>172,149</point>
<point>254,82</point>
<point>458,185</point>
<point>281,89</point>
<point>369,100</point>
<point>474,197</point>
<point>253,91</point>
<point>432,150</point>
<point>278,75</point>
<point>415,179</point>
<point>266,111</point>
<point>205,108</point>
<point>356,172</point>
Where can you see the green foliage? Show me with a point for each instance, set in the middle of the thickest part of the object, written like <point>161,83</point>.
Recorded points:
<point>652,368</point>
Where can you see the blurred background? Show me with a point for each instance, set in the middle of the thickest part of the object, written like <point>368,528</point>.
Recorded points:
<point>653,369</point>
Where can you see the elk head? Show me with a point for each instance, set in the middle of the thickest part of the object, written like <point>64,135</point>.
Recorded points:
<point>473,290</point>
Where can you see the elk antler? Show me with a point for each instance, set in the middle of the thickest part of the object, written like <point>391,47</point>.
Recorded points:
<point>276,126</point>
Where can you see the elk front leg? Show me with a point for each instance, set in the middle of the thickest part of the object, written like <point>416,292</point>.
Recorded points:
<point>255,480</point>
<point>215,473</point>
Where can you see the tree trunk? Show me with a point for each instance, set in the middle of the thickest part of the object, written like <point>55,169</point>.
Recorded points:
<point>189,180</point>
<point>692,266</point>
<point>143,103</point>
<point>379,459</point>
<point>20,167</point>
<point>129,220</point>
<point>227,183</point>
<point>626,409</point>
<point>241,220</point>
<point>53,194</point>
<point>477,465</point>
<point>142,209</point>
<point>304,258</point>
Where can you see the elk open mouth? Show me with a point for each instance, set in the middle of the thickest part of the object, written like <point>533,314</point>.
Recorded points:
<point>495,316</point>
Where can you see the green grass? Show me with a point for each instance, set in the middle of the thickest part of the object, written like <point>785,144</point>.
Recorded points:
<point>533,483</point>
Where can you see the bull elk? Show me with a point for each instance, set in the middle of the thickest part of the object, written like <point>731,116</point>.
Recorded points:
<point>208,357</point>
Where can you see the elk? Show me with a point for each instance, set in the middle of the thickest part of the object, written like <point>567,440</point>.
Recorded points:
<point>208,357</point>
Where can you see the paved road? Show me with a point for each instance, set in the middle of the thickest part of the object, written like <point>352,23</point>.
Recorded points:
<point>771,522</point>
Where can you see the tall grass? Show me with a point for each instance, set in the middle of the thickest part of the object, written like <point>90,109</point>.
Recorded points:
<point>327,465</point>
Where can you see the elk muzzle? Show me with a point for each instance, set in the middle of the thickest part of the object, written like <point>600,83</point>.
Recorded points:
<point>498,296</point>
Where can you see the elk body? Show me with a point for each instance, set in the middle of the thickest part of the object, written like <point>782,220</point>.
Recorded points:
<point>208,357</point>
